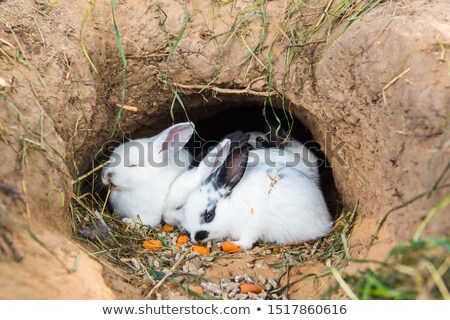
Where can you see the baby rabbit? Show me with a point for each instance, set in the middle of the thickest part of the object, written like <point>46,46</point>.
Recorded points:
<point>190,180</point>
<point>141,171</point>
<point>269,203</point>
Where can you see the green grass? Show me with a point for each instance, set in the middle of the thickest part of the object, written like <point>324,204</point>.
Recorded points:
<point>125,65</point>
<point>412,270</point>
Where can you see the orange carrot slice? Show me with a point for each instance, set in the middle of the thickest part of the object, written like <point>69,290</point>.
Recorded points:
<point>182,240</point>
<point>277,249</point>
<point>247,288</point>
<point>167,228</point>
<point>152,245</point>
<point>203,251</point>
<point>196,289</point>
<point>231,247</point>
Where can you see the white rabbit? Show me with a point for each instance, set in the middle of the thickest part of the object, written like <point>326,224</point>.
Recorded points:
<point>256,203</point>
<point>190,180</point>
<point>141,171</point>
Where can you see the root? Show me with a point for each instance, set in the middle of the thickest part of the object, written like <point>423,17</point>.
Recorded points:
<point>246,90</point>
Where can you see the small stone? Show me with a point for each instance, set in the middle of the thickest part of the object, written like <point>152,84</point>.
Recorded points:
<point>253,296</point>
<point>197,262</point>
<point>273,283</point>
<point>248,279</point>
<point>230,286</point>
<point>156,264</point>
<point>250,265</point>
<point>239,278</point>
<point>136,264</point>
<point>259,266</point>
<point>208,259</point>
<point>212,287</point>
<point>185,269</point>
<point>201,271</point>
<point>233,292</point>
<point>262,295</point>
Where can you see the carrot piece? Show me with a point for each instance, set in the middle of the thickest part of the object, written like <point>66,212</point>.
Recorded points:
<point>203,251</point>
<point>277,249</point>
<point>182,240</point>
<point>152,245</point>
<point>196,289</point>
<point>231,247</point>
<point>247,288</point>
<point>167,228</point>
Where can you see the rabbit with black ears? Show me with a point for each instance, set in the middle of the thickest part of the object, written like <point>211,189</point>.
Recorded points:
<point>295,155</point>
<point>269,203</point>
<point>190,180</point>
<point>140,172</point>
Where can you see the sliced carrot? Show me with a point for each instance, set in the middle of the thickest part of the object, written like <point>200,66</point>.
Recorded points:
<point>182,240</point>
<point>167,228</point>
<point>231,247</point>
<point>203,251</point>
<point>247,288</point>
<point>152,245</point>
<point>277,249</point>
<point>196,289</point>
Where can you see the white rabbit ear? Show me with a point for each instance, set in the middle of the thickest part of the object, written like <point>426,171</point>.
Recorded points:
<point>232,170</point>
<point>214,159</point>
<point>174,138</point>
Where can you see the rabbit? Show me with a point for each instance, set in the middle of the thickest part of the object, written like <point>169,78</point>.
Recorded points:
<point>140,172</point>
<point>269,203</point>
<point>278,137</point>
<point>188,181</point>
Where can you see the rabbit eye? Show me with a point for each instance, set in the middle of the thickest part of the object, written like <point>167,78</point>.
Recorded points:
<point>179,207</point>
<point>209,215</point>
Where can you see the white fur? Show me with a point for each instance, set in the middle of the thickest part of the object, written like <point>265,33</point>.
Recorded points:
<point>141,172</point>
<point>271,204</point>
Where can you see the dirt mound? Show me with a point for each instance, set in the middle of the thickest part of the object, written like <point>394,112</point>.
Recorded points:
<point>375,96</point>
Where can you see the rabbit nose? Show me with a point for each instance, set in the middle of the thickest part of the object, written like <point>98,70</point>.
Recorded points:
<point>201,235</point>
<point>109,175</point>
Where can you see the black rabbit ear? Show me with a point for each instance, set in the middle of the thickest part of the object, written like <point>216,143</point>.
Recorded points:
<point>231,172</point>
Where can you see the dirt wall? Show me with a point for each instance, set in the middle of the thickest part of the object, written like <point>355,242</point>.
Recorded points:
<point>382,86</point>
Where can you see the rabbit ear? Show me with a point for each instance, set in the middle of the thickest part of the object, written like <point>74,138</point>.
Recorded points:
<point>231,172</point>
<point>215,158</point>
<point>174,138</point>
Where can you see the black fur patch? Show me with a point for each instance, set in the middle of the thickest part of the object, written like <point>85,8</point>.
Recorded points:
<point>201,235</point>
<point>208,215</point>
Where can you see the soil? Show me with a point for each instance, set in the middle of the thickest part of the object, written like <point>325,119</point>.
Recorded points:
<point>377,99</point>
